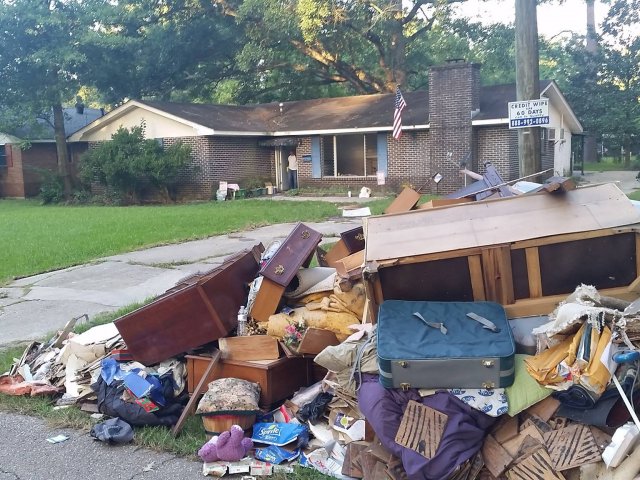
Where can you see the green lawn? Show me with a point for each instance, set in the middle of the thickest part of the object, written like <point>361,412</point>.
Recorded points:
<point>38,238</point>
<point>608,164</point>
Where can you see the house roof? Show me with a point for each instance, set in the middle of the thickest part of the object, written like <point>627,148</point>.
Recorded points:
<point>73,121</point>
<point>322,116</point>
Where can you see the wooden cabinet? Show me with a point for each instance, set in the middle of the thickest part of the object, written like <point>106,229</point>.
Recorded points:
<point>199,310</point>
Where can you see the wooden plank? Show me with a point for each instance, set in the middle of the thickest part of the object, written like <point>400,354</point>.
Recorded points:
<point>338,251</point>
<point>557,184</point>
<point>506,430</point>
<point>513,445</point>
<point>315,340</point>
<point>404,202</point>
<point>572,446</point>
<point>537,466</point>
<point>477,279</point>
<point>546,305</point>
<point>496,458</point>
<point>533,272</point>
<point>498,276</point>
<point>267,300</point>
<point>544,409</point>
<point>421,429</point>
<point>212,311</point>
<point>195,397</point>
<point>443,202</point>
<point>568,237</point>
<point>254,347</point>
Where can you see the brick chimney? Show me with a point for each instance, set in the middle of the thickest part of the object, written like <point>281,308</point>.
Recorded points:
<point>454,95</point>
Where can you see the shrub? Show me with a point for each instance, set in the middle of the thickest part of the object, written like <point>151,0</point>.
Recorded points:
<point>51,188</point>
<point>129,162</point>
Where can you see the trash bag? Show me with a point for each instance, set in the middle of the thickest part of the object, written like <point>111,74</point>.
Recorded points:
<point>110,403</point>
<point>114,430</point>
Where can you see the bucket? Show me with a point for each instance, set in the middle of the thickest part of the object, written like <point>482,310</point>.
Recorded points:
<point>216,424</point>
<point>269,189</point>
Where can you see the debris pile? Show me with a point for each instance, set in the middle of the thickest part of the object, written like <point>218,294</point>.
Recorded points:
<point>459,339</point>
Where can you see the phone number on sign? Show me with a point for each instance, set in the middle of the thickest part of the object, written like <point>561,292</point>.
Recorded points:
<point>527,122</point>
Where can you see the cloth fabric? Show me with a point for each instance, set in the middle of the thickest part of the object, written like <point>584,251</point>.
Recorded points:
<point>576,396</point>
<point>292,168</point>
<point>525,391</point>
<point>609,411</point>
<point>462,437</point>
<point>114,430</point>
<point>349,359</point>
<point>230,395</point>
<point>492,402</point>
<point>315,408</point>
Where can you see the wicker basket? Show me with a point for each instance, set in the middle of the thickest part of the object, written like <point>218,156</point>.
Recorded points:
<point>216,424</point>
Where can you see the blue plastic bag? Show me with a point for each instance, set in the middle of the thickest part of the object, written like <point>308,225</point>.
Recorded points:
<point>276,455</point>
<point>277,433</point>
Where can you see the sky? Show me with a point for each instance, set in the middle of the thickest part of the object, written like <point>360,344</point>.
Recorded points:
<point>553,17</point>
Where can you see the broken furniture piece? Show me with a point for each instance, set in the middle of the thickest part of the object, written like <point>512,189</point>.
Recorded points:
<point>295,251</point>
<point>526,252</point>
<point>199,310</point>
<point>407,200</point>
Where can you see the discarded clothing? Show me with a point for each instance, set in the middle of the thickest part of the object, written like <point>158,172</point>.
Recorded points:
<point>314,409</point>
<point>576,396</point>
<point>114,430</point>
<point>110,403</point>
<point>463,434</point>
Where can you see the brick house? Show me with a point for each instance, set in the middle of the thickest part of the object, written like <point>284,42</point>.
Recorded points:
<point>28,151</point>
<point>346,142</point>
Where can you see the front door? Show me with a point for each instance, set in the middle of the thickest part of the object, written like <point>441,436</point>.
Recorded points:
<point>282,178</point>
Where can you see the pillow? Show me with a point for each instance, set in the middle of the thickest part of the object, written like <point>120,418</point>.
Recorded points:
<point>230,395</point>
<point>525,391</point>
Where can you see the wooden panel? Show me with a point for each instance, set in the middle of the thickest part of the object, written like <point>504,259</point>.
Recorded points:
<point>190,316</point>
<point>421,429</point>
<point>500,221</point>
<point>315,340</point>
<point>496,458</point>
<point>278,379</point>
<point>353,239</point>
<point>537,466</point>
<point>267,300</point>
<point>404,202</point>
<point>604,262</point>
<point>443,280</point>
<point>295,250</point>
<point>477,279</point>
<point>571,447</point>
<point>533,270</point>
<point>253,347</point>
<point>338,251</point>
<point>496,268</point>
<point>443,202</point>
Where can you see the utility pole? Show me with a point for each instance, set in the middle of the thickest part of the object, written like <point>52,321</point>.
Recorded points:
<point>527,82</point>
<point>590,154</point>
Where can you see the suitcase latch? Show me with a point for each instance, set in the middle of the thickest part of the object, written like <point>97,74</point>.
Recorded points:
<point>405,386</point>
<point>488,363</point>
<point>488,385</point>
<point>403,364</point>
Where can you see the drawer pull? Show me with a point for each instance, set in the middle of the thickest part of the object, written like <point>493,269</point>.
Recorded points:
<point>279,270</point>
<point>305,234</point>
<point>360,236</point>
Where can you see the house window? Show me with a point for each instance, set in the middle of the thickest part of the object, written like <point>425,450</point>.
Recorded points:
<point>5,156</point>
<point>350,155</point>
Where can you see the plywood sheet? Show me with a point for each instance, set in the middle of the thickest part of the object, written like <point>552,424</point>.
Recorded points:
<point>571,447</point>
<point>497,221</point>
<point>535,467</point>
<point>421,429</point>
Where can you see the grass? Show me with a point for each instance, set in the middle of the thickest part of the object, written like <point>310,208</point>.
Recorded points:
<point>609,164</point>
<point>38,238</point>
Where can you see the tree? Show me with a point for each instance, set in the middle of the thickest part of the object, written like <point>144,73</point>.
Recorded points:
<point>38,65</point>
<point>146,48</point>
<point>359,44</point>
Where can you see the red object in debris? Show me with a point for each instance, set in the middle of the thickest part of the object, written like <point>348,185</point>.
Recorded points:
<point>121,355</point>
<point>16,385</point>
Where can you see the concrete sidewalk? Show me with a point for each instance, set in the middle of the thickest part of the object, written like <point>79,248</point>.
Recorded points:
<point>33,307</point>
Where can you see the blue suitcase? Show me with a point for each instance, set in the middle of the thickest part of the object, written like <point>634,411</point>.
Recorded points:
<point>444,345</point>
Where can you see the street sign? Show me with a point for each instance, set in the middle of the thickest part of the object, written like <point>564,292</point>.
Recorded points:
<point>529,113</point>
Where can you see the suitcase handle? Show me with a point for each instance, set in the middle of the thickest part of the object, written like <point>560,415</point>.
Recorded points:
<point>438,325</point>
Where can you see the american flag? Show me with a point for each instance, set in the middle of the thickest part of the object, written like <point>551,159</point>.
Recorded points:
<point>397,114</point>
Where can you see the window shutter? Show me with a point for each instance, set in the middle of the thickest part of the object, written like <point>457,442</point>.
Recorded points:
<point>382,153</point>
<point>316,166</point>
